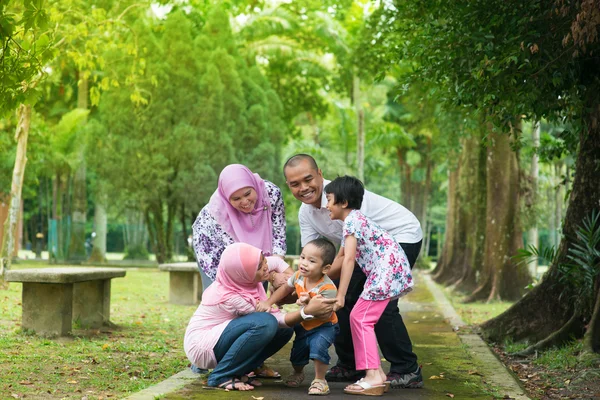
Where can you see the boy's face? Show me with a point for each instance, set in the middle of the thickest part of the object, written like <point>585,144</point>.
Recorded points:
<point>311,262</point>
<point>336,211</point>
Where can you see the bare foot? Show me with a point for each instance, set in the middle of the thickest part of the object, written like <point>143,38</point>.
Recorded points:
<point>235,385</point>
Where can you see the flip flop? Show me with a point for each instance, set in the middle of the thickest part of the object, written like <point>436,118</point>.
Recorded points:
<point>366,389</point>
<point>251,380</point>
<point>266,373</point>
<point>231,383</point>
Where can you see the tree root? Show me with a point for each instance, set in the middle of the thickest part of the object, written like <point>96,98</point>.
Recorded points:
<point>572,327</point>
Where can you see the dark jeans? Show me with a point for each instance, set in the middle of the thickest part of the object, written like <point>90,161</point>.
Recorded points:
<point>245,344</point>
<point>392,336</point>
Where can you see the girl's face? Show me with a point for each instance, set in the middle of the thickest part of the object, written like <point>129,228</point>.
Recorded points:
<point>336,211</point>
<point>244,199</point>
<point>262,273</point>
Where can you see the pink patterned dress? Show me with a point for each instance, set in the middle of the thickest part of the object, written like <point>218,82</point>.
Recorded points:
<point>380,257</point>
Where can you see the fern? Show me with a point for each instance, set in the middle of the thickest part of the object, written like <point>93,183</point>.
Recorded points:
<point>583,267</point>
<point>532,253</point>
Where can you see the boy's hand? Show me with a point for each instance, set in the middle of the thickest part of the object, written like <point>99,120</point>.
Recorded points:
<point>303,299</point>
<point>263,306</point>
<point>339,303</point>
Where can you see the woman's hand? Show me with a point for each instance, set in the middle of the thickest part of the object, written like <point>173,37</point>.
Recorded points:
<point>263,306</point>
<point>339,303</point>
<point>303,299</point>
<point>320,307</point>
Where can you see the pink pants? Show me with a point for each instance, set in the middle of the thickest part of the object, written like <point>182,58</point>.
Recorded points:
<point>363,318</point>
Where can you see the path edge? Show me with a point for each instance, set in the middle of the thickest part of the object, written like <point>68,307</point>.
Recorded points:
<point>169,385</point>
<point>496,373</point>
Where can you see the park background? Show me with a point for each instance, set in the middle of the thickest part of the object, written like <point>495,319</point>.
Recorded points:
<point>481,118</point>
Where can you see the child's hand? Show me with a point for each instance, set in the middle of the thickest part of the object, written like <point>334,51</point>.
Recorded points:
<point>339,303</point>
<point>262,306</point>
<point>303,299</point>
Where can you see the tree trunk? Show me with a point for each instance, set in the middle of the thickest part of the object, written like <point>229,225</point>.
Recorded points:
<point>99,250</point>
<point>12,220</point>
<point>549,305</point>
<point>532,234</point>
<point>502,278</point>
<point>156,229</point>
<point>460,265</point>
<point>79,216</point>
<point>591,339</point>
<point>360,129</point>
<point>451,218</point>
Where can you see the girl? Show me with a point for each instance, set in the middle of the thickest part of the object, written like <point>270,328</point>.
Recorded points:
<point>388,277</point>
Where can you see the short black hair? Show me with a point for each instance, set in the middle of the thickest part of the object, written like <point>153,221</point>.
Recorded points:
<point>297,159</point>
<point>347,188</point>
<point>327,249</point>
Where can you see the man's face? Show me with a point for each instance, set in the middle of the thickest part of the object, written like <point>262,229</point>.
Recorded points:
<point>305,182</point>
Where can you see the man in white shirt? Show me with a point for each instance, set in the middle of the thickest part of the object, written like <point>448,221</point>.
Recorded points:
<point>306,182</point>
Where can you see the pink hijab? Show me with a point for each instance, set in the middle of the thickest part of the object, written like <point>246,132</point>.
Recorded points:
<point>235,276</point>
<point>254,228</point>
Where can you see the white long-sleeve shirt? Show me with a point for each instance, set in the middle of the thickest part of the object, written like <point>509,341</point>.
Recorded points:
<point>391,216</point>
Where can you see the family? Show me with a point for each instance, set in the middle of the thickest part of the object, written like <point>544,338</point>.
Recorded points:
<point>347,297</point>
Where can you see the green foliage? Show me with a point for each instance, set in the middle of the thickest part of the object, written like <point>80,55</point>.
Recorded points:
<point>583,268</point>
<point>27,45</point>
<point>136,252</point>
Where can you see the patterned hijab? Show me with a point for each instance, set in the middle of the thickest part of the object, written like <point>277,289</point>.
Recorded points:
<point>254,228</point>
<point>235,276</point>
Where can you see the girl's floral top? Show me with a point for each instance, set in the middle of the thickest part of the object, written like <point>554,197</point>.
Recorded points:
<point>209,239</point>
<point>380,257</point>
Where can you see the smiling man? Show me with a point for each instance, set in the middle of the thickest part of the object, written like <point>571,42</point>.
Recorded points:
<point>306,182</point>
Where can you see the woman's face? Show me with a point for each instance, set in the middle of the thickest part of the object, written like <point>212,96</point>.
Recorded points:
<point>262,273</point>
<point>244,199</point>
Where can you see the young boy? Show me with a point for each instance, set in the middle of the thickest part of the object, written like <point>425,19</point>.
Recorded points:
<point>313,337</point>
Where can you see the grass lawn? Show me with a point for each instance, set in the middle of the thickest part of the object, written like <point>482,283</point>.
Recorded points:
<point>145,348</point>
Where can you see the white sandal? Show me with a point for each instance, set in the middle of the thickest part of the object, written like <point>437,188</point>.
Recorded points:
<point>367,389</point>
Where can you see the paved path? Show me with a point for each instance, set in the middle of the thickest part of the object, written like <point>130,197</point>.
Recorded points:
<point>455,365</point>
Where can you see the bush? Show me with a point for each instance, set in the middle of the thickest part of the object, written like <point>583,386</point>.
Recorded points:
<point>136,252</point>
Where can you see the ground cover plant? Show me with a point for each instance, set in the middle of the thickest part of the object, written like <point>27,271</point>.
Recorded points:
<point>565,372</point>
<point>144,348</point>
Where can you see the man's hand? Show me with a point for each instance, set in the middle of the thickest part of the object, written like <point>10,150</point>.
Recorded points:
<point>303,299</point>
<point>320,307</point>
<point>263,306</point>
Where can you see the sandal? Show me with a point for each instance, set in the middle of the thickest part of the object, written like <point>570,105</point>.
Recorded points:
<point>233,385</point>
<point>251,380</point>
<point>294,380</point>
<point>366,389</point>
<point>266,373</point>
<point>318,387</point>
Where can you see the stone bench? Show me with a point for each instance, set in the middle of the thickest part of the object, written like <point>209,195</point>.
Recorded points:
<point>185,286</point>
<point>292,261</point>
<point>54,298</point>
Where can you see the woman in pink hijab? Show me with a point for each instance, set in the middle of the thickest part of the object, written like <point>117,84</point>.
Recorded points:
<point>245,208</point>
<point>227,334</point>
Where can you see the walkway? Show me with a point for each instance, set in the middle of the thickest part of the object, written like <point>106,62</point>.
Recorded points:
<point>455,364</point>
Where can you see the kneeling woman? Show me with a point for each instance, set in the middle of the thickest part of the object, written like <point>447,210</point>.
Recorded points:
<point>227,334</point>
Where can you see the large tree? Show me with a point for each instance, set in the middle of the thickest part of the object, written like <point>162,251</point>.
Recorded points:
<point>536,59</point>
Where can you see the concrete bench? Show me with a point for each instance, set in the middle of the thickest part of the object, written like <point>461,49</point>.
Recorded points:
<point>53,298</point>
<point>185,286</point>
<point>292,261</point>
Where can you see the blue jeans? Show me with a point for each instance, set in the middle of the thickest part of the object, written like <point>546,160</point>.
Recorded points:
<point>245,344</point>
<point>313,344</point>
